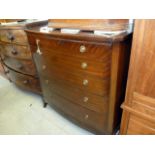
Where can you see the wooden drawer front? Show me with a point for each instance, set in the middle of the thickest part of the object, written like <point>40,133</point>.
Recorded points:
<point>24,81</point>
<point>79,49</point>
<point>14,36</point>
<point>92,84</point>
<point>23,66</point>
<point>75,95</point>
<point>16,51</point>
<point>76,65</point>
<point>89,84</point>
<point>139,126</point>
<point>78,113</point>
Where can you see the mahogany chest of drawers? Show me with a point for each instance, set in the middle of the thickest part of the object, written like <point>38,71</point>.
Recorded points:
<point>16,57</point>
<point>83,75</point>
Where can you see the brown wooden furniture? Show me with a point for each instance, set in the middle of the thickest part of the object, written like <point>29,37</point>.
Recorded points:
<point>16,57</point>
<point>90,24</point>
<point>82,75</point>
<point>10,20</point>
<point>2,21</point>
<point>139,106</point>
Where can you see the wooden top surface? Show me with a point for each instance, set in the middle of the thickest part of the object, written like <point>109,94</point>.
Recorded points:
<point>37,28</point>
<point>90,24</point>
<point>16,25</point>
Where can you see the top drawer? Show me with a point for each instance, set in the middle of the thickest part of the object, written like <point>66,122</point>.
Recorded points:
<point>14,36</point>
<point>78,49</point>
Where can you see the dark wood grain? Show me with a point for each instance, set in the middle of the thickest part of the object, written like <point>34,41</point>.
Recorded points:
<point>14,36</point>
<point>24,81</point>
<point>16,55</point>
<point>90,24</point>
<point>22,66</point>
<point>85,116</point>
<point>16,51</point>
<point>61,75</point>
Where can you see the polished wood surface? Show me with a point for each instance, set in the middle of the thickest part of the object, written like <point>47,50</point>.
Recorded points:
<point>10,20</point>
<point>139,106</point>
<point>24,81</point>
<point>14,36</point>
<point>15,54</point>
<point>94,61</point>
<point>16,51</point>
<point>22,66</point>
<point>90,24</point>
<point>83,76</point>
<point>85,117</point>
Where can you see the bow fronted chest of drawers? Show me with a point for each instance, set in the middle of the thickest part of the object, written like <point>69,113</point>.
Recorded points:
<point>82,75</point>
<point>16,57</point>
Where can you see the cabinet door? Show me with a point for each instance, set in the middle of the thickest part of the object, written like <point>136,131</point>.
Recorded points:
<point>140,94</point>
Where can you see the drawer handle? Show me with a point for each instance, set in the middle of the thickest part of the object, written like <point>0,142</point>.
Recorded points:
<point>85,99</point>
<point>82,48</point>
<point>14,52</point>
<point>7,71</point>
<point>86,117</point>
<point>20,66</point>
<point>25,81</point>
<point>46,81</point>
<point>44,67</point>
<point>85,82</point>
<point>10,37</point>
<point>84,65</point>
<point>38,49</point>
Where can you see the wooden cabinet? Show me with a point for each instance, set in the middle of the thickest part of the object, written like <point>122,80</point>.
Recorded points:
<point>139,106</point>
<point>82,75</point>
<point>16,57</point>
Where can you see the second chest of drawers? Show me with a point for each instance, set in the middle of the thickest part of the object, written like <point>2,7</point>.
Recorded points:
<point>16,57</point>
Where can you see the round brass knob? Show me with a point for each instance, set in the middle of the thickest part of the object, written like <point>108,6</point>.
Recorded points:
<point>20,66</point>
<point>85,99</point>
<point>46,81</point>
<point>25,81</point>
<point>85,82</point>
<point>82,48</point>
<point>7,71</point>
<point>84,65</point>
<point>14,52</point>
<point>43,67</point>
<point>10,37</point>
<point>86,116</point>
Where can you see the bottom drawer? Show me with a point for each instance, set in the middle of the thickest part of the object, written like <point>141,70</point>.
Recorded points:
<point>24,81</point>
<point>84,117</point>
